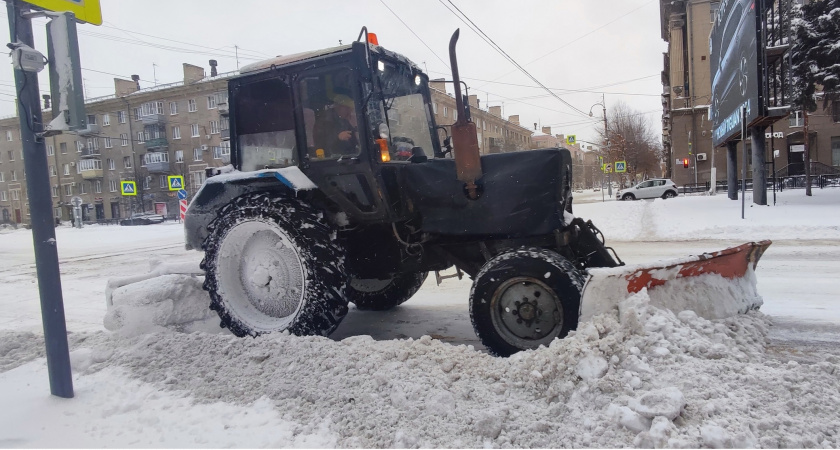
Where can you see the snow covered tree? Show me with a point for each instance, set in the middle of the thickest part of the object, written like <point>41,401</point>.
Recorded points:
<point>815,62</point>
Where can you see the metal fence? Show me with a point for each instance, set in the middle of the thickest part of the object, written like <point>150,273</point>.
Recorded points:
<point>781,183</point>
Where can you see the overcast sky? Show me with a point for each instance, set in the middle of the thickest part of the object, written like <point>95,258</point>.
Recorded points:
<point>610,46</point>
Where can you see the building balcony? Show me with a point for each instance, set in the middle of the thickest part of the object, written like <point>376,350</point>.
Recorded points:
<point>91,169</point>
<point>224,108</point>
<point>225,134</point>
<point>158,167</point>
<point>153,119</point>
<point>91,153</point>
<point>156,144</point>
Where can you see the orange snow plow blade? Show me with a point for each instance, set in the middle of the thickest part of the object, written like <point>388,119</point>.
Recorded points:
<point>713,285</point>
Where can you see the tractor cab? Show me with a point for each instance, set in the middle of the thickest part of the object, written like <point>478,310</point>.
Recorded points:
<point>340,115</point>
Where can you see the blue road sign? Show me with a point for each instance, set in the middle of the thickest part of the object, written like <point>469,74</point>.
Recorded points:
<point>128,188</point>
<point>182,195</point>
<point>176,182</point>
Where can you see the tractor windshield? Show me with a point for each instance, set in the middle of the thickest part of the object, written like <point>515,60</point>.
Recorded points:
<point>403,109</point>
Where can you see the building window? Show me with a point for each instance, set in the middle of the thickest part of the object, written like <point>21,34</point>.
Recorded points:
<point>162,181</point>
<point>434,107</point>
<point>194,130</point>
<point>93,144</point>
<point>2,178</point>
<point>445,111</point>
<point>214,127</point>
<point>8,135</point>
<point>55,191</point>
<point>123,139</point>
<point>91,119</point>
<point>795,119</point>
<point>121,116</point>
<point>106,120</point>
<point>173,108</point>
<point>50,150</point>
<point>52,172</point>
<point>111,165</point>
<point>3,197</point>
<point>835,150</point>
<point>15,194</point>
<point>146,182</point>
<point>83,188</point>
<point>108,143</point>
<point>79,146</point>
<point>191,105</point>
<point>97,187</point>
<point>155,157</point>
<point>197,178</point>
<point>127,162</point>
<point>179,156</point>
<point>68,190</point>
<point>835,111</point>
<point>14,175</point>
<point>66,169</point>
<point>137,114</point>
<point>11,155</point>
<point>176,132</point>
<point>62,147</point>
<point>112,185</point>
<point>198,154</point>
<point>141,137</point>
<point>211,102</point>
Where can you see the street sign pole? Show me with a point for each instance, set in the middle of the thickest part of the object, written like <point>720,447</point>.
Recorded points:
<point>41,212</point>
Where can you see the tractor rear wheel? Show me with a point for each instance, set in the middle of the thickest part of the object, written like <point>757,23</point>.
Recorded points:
<point>382,295</point>
<point>523,299</point>
<point>271,265</point>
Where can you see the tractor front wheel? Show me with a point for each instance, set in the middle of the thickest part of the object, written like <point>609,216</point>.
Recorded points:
<point>271,265</point>
<point>382,295</point>
<point>523,299</point>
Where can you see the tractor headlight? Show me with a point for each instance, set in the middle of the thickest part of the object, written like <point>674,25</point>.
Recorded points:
<point>417,80</point>
<point>384,132</point>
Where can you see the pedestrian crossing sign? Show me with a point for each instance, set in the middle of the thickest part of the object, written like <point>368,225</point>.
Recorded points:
<point>128,187</point>
<point>571,139</point>
<point>176,182</point>
<point>621,166</point>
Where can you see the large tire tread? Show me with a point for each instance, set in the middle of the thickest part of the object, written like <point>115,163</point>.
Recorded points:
<point>325,302</point>
<point>402,287</point>
<point>563,278</point>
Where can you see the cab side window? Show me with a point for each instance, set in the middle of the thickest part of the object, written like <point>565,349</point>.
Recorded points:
<point>329,115</point>
<point>265,125</point>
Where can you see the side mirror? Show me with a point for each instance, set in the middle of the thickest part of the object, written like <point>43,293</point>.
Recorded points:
<point>447,145</point>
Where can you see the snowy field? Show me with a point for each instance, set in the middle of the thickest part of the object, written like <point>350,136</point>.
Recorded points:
<point>417,376</point>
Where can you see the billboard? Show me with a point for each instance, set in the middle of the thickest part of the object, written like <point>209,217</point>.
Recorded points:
<point>734,63</point>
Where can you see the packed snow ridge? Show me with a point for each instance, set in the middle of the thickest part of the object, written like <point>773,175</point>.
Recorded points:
<point>641,376</point>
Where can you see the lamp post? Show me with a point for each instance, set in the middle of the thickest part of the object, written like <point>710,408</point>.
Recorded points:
<point>603,104</point>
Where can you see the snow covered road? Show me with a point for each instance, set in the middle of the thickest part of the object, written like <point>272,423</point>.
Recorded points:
<point>417,380</point>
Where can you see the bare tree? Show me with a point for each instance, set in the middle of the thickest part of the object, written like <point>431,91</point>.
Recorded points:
<point>632,138</point>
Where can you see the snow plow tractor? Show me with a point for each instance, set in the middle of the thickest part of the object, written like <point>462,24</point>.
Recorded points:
<point>345,190</point>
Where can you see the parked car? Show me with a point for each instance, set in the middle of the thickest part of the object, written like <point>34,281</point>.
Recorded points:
<point>655,188</point>
<point>142,219</point>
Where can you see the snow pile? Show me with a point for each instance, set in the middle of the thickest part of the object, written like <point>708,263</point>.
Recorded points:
<point>794,216</point>
<point>172,301</point>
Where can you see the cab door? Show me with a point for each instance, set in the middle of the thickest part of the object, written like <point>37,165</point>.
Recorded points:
<point>335,150</point>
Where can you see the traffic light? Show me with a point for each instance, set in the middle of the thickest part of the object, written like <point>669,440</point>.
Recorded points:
<point>685,163</point>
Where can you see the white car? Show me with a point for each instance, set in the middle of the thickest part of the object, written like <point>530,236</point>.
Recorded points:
<point>655,188</point>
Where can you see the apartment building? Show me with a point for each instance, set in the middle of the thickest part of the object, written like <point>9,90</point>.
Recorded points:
<point>141,135</point>
<point>686,129</point>
<point>495,134</point>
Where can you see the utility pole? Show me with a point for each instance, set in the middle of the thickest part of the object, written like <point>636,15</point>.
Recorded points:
<point>40,209</point>
<point>606,141</point>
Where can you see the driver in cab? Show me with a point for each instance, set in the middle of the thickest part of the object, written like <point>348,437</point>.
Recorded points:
<point>335,131</point>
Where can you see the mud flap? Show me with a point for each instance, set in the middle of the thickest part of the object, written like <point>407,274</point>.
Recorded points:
<point>713,285</point>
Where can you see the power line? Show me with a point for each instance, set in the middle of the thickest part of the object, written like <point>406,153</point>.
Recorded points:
<point>505,55</point>
<point>415,34</point>
<point>580,37</point>
<point>570,90</point>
